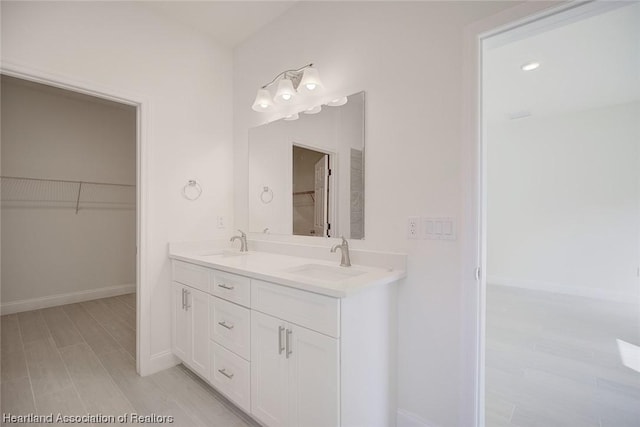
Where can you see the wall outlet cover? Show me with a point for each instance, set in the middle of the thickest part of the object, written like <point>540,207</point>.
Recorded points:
<point>413,227</point>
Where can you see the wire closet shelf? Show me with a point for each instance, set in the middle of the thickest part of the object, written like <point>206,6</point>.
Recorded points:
<point>56,193</point>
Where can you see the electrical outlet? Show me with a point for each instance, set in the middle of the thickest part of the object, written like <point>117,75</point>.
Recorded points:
<point>220,221</point>
<point>413,224</point>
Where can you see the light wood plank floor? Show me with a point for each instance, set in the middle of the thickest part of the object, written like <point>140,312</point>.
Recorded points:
<point>553,361</point>
<point>79,359</point>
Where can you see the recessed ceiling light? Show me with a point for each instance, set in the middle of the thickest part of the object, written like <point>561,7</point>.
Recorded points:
<point>530,66</point>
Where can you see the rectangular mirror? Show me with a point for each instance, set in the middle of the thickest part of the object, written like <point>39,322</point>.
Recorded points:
<point>306,176</point>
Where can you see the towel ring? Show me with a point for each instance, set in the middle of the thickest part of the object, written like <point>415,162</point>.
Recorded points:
<point>192,190</point>
<point>267,195</point>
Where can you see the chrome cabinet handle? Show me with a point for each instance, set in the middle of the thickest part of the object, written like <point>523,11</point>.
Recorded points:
<point>224,325</point>
<point>183,294</point>
<point>289,350</point>
<point>224,372</point>
<point>280,347</point>
<point>224,286</point>
<point>188,306</point>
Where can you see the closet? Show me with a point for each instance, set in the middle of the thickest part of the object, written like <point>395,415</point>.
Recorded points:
<point>68,212</point>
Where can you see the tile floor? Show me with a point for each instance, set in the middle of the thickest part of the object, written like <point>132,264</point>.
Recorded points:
<point>552,361</point>
<point>79,359</point>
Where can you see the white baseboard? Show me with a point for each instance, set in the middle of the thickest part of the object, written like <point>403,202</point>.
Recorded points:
<point>559,288</point>
<point>409,419</point>
<point>62,299</point>
<point>159,362</point>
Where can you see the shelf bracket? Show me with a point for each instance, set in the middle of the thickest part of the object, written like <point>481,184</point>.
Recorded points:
<point>78,199</point>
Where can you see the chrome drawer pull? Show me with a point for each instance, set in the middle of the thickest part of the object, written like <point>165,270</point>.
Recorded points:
<point>280,346</point>
<point>224,372</point>
<point>289,350</point>
<point>224,286</point>
<point>224,325</point>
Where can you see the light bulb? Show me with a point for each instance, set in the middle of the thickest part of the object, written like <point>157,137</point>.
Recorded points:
<point>313,110</point>
<point>285,92</point>
<point>338,102</point>
<point>310,81</point>
<point>263,101</point>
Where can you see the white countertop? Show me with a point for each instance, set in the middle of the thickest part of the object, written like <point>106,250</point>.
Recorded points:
<point>280,269</point>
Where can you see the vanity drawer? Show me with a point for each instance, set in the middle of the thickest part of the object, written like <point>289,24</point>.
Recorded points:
<point>231,287</point>
<point>317,312</point>
<point>230,374</point>
<point>230,326</point>
<point>191,275</point>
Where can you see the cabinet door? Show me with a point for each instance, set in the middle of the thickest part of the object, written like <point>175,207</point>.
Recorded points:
<point>179,323</point>
<point>313,374</point>
<point>268,370</point>
<point>198,311</point>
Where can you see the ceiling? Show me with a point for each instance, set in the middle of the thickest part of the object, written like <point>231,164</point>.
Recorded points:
<point>586,61</point>
<point>228,22</point>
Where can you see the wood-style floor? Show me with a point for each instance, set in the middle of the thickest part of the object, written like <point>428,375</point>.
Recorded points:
<point>79,359</point>
<point>553,360</point>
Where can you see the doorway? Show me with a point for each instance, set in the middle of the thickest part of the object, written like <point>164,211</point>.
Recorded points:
<point>311,192</point>
<point>95,197</point>
<point>561,220</point>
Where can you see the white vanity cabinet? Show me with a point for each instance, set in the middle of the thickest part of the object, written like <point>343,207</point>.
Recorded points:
<point>230,329</point>
<point>189,327</point>
<point>288,356</point>
<point>295,378</point>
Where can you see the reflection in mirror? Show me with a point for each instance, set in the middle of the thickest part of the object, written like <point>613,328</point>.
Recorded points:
<point>311,192</point>
<point>306,176</point>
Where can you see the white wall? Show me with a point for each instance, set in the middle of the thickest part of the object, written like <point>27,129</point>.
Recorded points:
<point>184,78</point>
<point>564,202</point>
<point>53,134</point>
<point>408,59</point>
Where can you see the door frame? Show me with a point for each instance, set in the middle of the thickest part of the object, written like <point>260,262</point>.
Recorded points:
<point>473,221</point>
<point>142,105</point>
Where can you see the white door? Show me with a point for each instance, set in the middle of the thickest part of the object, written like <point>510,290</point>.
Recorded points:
<point>180,325</point>
<point>320,196</point>
<point>314,392</point>
<point>198,312</point>
<point>268,370</point>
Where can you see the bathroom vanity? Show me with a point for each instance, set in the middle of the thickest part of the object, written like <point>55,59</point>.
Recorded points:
<point>292,341</point>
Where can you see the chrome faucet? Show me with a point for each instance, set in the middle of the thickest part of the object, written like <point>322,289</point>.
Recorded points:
<point>243,241</point>
<point>345,261</point>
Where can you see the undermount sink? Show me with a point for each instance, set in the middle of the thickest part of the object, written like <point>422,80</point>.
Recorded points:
<point>325,272</point>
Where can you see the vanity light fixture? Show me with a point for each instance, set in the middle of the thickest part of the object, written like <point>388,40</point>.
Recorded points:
<point>285,93</point>
<point>337,102</point>
<point>310,82</point>
<point>263,101</point>
<point>292,88</point>
<point>530,66</point>
<point>313,110</point>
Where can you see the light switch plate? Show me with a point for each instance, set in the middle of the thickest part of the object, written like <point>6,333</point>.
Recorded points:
<point>438,229</point>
